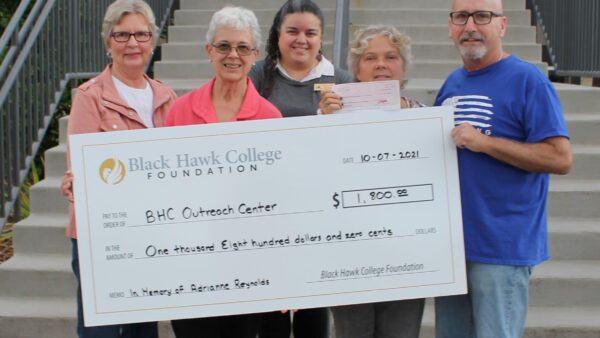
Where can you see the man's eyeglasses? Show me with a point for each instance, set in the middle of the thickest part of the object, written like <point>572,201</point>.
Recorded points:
<point>225,48</point>
<point>125,36</point>
<point>479,17</point>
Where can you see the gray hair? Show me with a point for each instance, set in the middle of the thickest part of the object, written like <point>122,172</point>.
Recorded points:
<point>236,18</point>
<point>361,41</point>
<point>120,8</point>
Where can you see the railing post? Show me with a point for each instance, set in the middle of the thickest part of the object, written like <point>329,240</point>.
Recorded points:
<point>340,34</point>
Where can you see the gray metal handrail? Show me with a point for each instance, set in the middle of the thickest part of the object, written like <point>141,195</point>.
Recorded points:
<point>571,30</point>
<point>340,33</point>
<point>58,41</point>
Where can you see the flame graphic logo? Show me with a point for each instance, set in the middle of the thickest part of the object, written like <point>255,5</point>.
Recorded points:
<point>112,171</point>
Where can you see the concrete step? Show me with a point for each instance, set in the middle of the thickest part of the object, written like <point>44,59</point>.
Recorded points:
<point>37,276</point>
<point>56,161</point>
<point>391,15</point>
<point>442,4</point>
<point>578,104</point>
<point>574,239</point>
<point>584,128</point>
<point>46,197</point>
<point>197,34</point>
<point>190,17</point>
<point>47,318</point>
<point>586,162</point>
<point>42,234</point>
<point>568,283</point>
<point>194,51</point>
<point>215,5</point>
<point>173,51</point>
<point>543,322</point>
<point>419,33</point>
<point>354,4</point>
<point>563,322</point>
<point>570,198</point>
<point>578,99</point>
<point>23,317</point>
<point>201,68</point>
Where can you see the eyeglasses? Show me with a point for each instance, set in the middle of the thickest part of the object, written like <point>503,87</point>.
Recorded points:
<point>479,17</point>
<point>125,36</point>
<point>225,48</point>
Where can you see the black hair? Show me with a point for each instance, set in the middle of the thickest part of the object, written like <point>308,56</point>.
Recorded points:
<point>273,52</point>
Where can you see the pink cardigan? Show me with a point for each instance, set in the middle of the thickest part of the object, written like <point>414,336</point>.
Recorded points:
<point>97,107</point>
<point>196,107</point>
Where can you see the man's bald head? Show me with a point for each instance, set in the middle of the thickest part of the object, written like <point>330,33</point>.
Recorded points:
<point>493,5</point>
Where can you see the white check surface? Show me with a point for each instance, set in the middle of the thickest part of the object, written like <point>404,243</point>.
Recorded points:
<point>264,215</point>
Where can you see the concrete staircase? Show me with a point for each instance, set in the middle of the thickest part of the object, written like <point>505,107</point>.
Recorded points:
<point>37,287</point>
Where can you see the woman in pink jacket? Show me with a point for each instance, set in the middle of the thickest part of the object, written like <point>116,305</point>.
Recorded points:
<point>232,43</point>
<point>122,97</point>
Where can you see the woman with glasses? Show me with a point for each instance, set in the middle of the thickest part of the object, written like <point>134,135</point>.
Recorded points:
<point>122,97</point>
<point>377,53</point>
<point>232,43</point>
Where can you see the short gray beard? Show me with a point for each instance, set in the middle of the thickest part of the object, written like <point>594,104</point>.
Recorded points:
<point>472,53</point>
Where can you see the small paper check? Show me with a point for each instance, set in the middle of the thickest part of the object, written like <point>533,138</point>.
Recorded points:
<point>379,95</point>
<point>265,215</point>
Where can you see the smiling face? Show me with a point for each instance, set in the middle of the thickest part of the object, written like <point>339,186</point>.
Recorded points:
<point>479,45</point>
<point>131,55</point>
<point>300,40</point>
<point>231,67</point>
<point>380,61</point>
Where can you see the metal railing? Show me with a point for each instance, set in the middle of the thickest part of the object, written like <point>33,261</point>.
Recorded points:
<point>46,45</point>
<point>340,37</point>
<point>572,35</point>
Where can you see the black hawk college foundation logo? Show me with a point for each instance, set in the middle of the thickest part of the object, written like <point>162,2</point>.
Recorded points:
<point>112,171</point>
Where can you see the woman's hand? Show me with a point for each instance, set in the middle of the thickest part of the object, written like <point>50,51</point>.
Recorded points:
<point>67,186</point>
<point>330,102</point>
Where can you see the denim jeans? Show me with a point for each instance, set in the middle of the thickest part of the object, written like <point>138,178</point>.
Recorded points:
<point>136,330</point>
<point>495,307</point>
<point>396,319</point>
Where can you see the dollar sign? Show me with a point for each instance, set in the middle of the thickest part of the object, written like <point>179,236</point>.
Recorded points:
<point>336,202</point>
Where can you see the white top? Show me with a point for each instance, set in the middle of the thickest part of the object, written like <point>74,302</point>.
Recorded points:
<point>140,100</point>
<point>323,68</point>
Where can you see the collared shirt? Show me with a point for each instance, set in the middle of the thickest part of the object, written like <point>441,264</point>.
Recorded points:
<point>323,68</point>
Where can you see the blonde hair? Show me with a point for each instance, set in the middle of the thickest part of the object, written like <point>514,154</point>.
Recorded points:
<point>361,39</point>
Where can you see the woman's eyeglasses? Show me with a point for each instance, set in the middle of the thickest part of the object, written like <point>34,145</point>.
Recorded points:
<point>225,48</point>
<point>125,36</point>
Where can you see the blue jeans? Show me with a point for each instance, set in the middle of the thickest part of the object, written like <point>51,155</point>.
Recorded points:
<point>495,307</point>
<point>136,330</point>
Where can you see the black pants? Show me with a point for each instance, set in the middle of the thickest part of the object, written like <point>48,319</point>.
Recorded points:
<point>238,326</point>
<point>136,330</point>
<point>308,323</point>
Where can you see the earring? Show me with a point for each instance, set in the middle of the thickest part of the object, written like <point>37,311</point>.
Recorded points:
<point>108,55</point>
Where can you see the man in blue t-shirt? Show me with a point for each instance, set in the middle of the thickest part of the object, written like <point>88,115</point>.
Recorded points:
<point>511,133</point>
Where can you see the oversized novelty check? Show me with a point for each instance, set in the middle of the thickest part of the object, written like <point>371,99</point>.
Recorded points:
<point>258,216</point>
